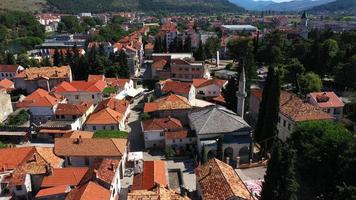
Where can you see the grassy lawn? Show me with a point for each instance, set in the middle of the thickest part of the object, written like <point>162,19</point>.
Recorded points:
<point>111,134</point>
<point>109,90</point>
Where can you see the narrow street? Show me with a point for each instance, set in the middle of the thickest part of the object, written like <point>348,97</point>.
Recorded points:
<point>134,129</point>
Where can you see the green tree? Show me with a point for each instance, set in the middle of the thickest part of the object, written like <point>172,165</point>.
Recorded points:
<point>229,93</point>
<point>10,59</point>
<point>212,45</point>
<point>346,73</point>
<point>280,179</point>
<point>329,52</point>
<point>266,127</point>
<point>199,52</point>
<point>56,58</point>
<point>46,62</point>
<point>187,47</point>
<point>23,60</point>
<point>158,48</point>
<point>293,70</point>
<point>310,82</point>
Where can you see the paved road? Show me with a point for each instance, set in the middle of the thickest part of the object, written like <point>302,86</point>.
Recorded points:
<point>134,129</point>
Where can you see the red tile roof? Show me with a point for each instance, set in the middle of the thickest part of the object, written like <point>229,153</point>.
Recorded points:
<point>57,190</point>
<point>94,78</point>
<point>17,155</point>
<point>219,99</point>
<point>176,87</point>
<point>327,99</point>
<point>219,181</point>
<point>158,193</point>
<point>90,147</point>
<point>159,64</point>
<point>105,116</point>
<point>34,73</point>
<point>173,135</point>
<point>154,172</point>
<point>81,86</point>
<point>64,176</point>
<point>117,82</point>
<point>48,154</point>
<point>170,102</point>
<point>77,134</point>
<point>161,124</point>
<point>73,109</point>
<point>198,83</point>
<point>39,98</point>
<point>8,68</point>
<point>295,109</point>
<point>115,104</point>
<point>89,191</point>
<point>103,170</point>
<point>6,83</point>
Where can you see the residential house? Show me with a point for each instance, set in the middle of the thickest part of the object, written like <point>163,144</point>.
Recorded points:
<point>154,131</point>
<point>218,180</point>
<point>184,89</point>
<point>292,110</point>
<point>6,85</point>
<point>81,91</point>
<point>172,105</point>
<point>9,71</point>
<point>168,32</point>
<point>67,117</point>
<point>53,193</point>
<point>153,173</point>
<point>22,174</point>
<point>187,70</point>
<point>159,192</point>
<point>208,88</point>
<point>329,102</point>
<point>41,104</point>
<point>110,114</point>
<point>46,78</point>
<point>216,124</point>
<point>81,152</point>
<point>70,176</point>
<point>90,190</point>
<point>149,50</point>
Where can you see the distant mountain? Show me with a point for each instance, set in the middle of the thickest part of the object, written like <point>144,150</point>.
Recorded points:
<point>338,6</point>
<point>74,6</point>
<point>296,5</point>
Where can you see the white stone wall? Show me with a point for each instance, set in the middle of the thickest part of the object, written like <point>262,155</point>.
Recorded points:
<point>285,127</point>
<point>6,106</point>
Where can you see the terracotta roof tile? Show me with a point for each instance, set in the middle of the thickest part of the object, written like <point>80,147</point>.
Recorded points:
<point>77,134</point>
<point>6,83</point>
<point>159,64</point>
<point>64,176</point>
<point>170,102</point>
<point>61,189</point>
<point>73,109</point>
<point>89,191</point>
<point>90,147</point>
<point>176,87</point>
<point>219,181</point>
<point>94,78</point>
<point>34,73</point>
<point>39,98</point>
<point>327,99</point>
<point>154,172</point>
<point>117,82</point>
<point>8,68</point>
<point>17,155</point>
<point>103,170</point>
<point>205,82</point>
<point>158,193</point>
<point>81,86</point>
<point>115,104</point>
<point>173,135</point>
<point>105,116</point>
<point>295,109</point>
<point>161,124</point>
<point>220,99</point>
<point>48,154</point>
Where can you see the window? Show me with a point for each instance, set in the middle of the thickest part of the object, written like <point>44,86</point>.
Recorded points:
<point>174,141</point>
<point>279,119</point>
<point>161,134</point>
<point>328,110</point>
<point>18,187</point>
<point>289,126</point>
<point>73,116</point>
<point>94,128</point>
<point>57,116</point>
<point>284,123</point>
<point>112,127</point>
<point>337,111</point>
<point>76,96</point>
<point>93,96</point>
<point>104,127</point>
<point>62,116</point>
<point>180,69</point>
<point>180,140</point>
<point>68,161</point>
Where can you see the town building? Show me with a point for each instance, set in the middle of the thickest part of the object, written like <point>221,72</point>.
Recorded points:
<point>6,106</point>
<point>46,78</point>
<point>154,172</point>
<point>329,102</point>
<point>208,88</point>
<point>233,29</point>
<point>6,85</point>
<point>9,71</point>
<point>218,180</point>
<point>184,89</point>
<point>81,91</point>
<point>214,124</point>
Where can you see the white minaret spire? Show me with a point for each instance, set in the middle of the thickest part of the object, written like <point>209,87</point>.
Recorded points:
<point>241,94</point>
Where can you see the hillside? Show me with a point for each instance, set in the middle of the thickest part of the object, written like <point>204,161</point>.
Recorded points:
<point>295,5</point>
<point>23,5</point>
<point>339,6</point>
<point>74,6</point>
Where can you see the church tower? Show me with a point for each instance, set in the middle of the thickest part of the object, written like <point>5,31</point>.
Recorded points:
<point>241,94</point>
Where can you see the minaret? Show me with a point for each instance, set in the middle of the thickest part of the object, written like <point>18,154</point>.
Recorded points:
<point>241,94</point>
<point>304,25</point>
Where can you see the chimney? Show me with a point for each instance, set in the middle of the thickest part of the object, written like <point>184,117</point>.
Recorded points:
<point>238,162</point>
<point>228,160</point>
<point>34,158</point>
<point>210,169</point>
<point>80,139</point>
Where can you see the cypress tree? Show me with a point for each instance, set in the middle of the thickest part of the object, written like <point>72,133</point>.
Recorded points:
<point>56,58</point>
<point>187,44</point>
<point>267,121</point>
<point>229,94</point>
